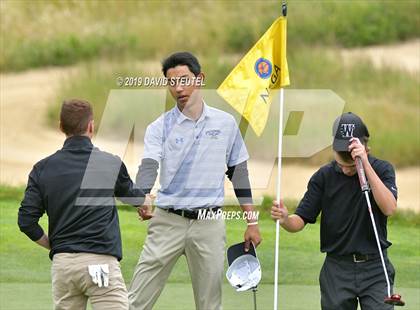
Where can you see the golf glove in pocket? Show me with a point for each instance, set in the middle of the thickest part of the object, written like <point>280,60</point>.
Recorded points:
<point>99,274</point>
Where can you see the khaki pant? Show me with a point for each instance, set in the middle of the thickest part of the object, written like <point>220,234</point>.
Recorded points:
<point>72,285</point>
<point>169,236</point>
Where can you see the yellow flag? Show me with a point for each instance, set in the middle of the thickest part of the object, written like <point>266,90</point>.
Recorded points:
<point>248,87</point>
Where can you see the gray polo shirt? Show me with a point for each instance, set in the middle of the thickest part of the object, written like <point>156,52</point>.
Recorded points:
<point>193,156</point>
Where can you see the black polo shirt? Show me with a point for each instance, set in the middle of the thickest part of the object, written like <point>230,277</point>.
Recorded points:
<point>79,220</point>
<point>345,223</point>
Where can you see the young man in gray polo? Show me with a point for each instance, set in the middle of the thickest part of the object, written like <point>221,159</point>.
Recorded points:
<point>193,144</point>
<point>83,230</point>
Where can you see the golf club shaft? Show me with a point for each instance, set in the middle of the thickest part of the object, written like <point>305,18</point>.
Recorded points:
<point>365,189</point>
<point>378,243</point>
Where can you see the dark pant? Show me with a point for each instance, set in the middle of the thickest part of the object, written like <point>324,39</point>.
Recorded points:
<point>344,283</point>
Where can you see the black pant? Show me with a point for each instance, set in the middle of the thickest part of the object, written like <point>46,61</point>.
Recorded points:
<point>344,283</point>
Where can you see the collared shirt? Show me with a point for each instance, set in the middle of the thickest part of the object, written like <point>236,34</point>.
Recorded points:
<point>193,156</point>
<point>345,222</point>
<point>55,186</point>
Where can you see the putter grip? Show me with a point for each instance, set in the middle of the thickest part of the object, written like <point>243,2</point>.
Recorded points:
<point>362,176</point>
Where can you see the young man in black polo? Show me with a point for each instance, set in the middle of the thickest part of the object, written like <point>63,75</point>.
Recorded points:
<point>83,230</point>
<point>352,271</point>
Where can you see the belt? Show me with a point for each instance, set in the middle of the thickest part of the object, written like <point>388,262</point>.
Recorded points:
<point>191,214</point>
<point>356,258</point>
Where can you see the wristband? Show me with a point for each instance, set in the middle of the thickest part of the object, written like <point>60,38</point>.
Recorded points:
<point>252,224</point>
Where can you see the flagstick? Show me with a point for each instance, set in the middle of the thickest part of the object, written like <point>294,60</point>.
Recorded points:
<point>276,266</point>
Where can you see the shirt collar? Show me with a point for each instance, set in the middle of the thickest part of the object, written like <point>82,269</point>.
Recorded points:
<point>205,113</point>
<point>77,142</point>
<point>180,117</point>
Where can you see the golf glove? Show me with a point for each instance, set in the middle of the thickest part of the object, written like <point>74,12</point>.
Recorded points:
<point>99,274</point>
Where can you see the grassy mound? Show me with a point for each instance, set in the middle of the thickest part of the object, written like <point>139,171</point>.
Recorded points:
<point>42,33</point>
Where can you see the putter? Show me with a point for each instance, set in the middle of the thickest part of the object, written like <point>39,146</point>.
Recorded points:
<point>394,299</point>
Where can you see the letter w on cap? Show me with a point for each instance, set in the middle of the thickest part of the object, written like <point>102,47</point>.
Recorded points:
<point>346,130</point>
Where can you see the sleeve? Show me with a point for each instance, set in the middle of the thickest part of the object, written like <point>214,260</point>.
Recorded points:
<point>237,152</point>
<point>31,208</point>
<point>125,191</point>
<point>238,175</point>
<point>387,176</point>
<point>147,174</point>
<point>153,141</point>
<point>310,206</point>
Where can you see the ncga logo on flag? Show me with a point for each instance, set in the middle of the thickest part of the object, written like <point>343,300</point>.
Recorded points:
<point>248,87</point>
<point>263,68</point>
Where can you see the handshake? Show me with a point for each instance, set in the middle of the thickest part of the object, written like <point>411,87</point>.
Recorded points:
<point>145,211</point>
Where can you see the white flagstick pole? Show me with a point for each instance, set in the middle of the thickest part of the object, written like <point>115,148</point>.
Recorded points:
<point>276,262</point>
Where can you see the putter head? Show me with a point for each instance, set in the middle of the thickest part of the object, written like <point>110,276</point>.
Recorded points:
<point>395,300</point>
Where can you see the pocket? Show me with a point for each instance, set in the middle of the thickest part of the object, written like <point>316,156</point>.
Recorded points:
<point>150,224</point>
<point>56,266</point>
<point>157,225</point>
<point>156,214</point>
<point>224,233</point>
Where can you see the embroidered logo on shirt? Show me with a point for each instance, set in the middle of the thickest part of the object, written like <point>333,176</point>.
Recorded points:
<point>213,133</point>
<point>179,140</point>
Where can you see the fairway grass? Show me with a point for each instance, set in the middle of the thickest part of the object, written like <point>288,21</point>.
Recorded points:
<point>25,267</point>
<point>179,296</point>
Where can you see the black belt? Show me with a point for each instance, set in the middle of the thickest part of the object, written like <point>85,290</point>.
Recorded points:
<point>356,258</point>
<point>191,214</point>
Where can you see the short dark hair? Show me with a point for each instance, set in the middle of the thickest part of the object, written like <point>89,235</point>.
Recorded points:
<point>180,59</point>
<point>346,156</point>
<point>364,140</point>
<point>75,116</point>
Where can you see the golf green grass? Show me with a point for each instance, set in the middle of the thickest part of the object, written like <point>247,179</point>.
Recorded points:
<point>25,267</point>
<point>179,296</point>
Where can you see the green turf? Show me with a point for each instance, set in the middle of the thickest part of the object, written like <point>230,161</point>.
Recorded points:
<point>25,265</point>
<point>179,296</point>
<point>294,251</point>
